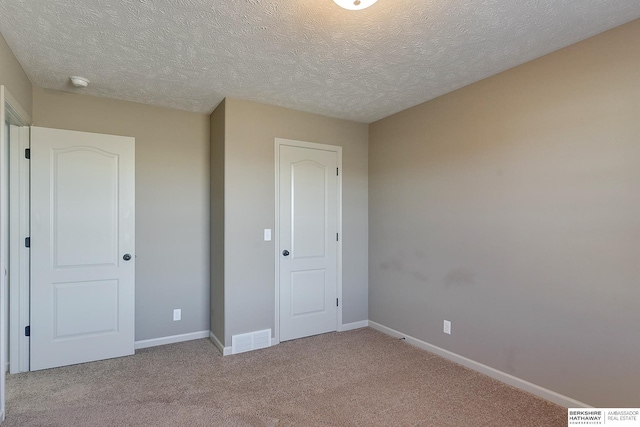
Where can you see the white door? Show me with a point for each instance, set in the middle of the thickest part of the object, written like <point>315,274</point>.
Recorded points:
<point>308,246</point>
<point>82,247</point>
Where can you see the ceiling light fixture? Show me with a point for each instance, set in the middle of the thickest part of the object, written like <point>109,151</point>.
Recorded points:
<point>79,81</point>
<point>354,4</point>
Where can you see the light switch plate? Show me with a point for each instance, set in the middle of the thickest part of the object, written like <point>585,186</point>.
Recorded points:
<point>267,234</point>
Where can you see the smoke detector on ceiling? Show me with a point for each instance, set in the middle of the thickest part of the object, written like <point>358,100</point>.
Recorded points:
<point>79,81</point>
<point>355,4</point>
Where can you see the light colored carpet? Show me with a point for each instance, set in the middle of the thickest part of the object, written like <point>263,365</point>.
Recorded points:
<point>356,378</point>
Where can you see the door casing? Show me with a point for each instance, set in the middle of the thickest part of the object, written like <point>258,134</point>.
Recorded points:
<point>314,146</point>
<point>19,262</point>
<point>12,112</point>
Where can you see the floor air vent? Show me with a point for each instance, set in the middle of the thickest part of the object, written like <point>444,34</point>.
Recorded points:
<point>250,341</point>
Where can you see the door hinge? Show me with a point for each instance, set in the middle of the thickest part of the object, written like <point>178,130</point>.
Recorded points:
<point>27,242</point>
<point>27,153</point>
<point>337,237</point>
<point>337,303</point>
<point>337,173</point>
<point>27,331</point>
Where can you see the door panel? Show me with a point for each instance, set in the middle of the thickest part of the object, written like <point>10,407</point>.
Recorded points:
<point>309,223</point>
<point>308,211</point>
<point>82,224</point>
<point>308,292</point>
<point>90,176</point>
<point>98,310</point>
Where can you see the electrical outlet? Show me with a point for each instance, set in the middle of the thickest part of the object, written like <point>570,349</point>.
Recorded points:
<point>447,327</point>
<point>177,314</point>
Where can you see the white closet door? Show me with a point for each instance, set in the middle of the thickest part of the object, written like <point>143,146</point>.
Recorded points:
<point>82,247</point>
<point>308,241</point>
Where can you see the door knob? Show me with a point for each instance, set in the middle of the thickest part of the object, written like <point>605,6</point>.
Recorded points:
<point>126,257</point>
<point>285,252</point>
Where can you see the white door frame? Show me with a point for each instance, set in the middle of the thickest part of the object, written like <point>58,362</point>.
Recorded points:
<point>314,146</point>
<point>11,111</point>
<point>19,260</point>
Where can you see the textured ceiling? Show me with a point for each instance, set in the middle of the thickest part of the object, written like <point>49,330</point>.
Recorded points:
<point>302,54</point>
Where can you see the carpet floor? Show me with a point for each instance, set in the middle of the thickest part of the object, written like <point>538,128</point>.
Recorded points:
<point>355,378</point>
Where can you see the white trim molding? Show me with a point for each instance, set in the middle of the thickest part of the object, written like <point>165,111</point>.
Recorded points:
<point>10,112</point>
<point>170,339</point>
<point>225,351</point>
<point>484,369</point>
<point>354,325</point>
<point>19,226</point>
<point>15,109</point>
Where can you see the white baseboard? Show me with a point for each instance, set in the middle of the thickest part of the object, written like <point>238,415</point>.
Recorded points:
<point>354,325</point>
<point>225,351</point>
<point>171,339</point>
<point>484,369</point>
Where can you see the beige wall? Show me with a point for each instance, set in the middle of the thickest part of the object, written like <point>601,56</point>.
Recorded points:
<point>13,77</point>
<point>511,207</point>
<point>172,201</point>
<point>217,220</point>
<point>251,129</point>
